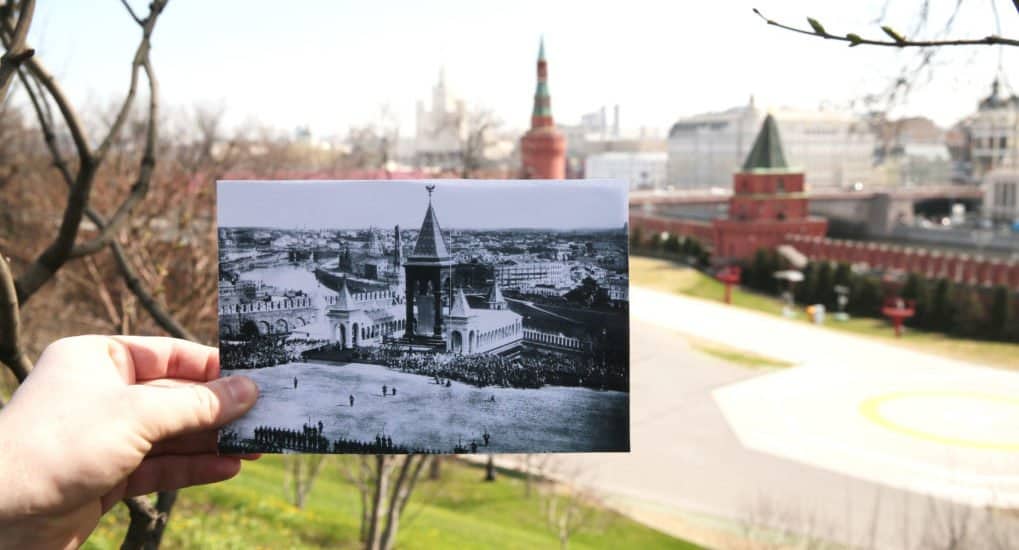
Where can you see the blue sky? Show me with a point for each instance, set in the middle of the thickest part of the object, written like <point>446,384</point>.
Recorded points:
<point>333,63</point>
<point>488,204</point>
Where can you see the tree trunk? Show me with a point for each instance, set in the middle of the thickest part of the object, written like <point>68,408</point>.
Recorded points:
<point>147,522</point>
<point>490,468</point>
<point>382,466</point>
<point>393,513</point>
<point>435,470</point>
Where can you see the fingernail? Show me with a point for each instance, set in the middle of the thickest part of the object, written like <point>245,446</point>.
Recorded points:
<point>242,390</point>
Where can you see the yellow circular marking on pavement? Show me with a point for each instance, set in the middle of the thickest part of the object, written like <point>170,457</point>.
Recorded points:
<point>871,410</point>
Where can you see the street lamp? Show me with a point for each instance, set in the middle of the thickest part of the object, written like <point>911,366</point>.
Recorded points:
<point>791,276</point>
<point>841,300</point>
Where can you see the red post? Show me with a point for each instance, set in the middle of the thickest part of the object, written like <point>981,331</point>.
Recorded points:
<point>729,276</point>
<point>897,311</point>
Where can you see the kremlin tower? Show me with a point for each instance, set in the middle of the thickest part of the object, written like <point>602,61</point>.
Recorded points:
<point>768,203</point>
<point>543,147</point>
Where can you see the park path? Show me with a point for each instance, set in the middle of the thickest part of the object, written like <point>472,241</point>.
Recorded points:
<point>719,448</point>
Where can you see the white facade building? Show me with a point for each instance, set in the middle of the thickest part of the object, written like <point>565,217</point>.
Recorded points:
<point>1001,195</point>
<point>641,170</point>
<point>834,148</point>
<point>993,132</point>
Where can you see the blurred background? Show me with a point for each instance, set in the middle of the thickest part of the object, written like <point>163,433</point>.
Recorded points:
<point>824,232</point>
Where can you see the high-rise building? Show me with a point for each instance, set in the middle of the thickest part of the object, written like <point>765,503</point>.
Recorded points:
<point>543,147</point>
<point>441,129</point>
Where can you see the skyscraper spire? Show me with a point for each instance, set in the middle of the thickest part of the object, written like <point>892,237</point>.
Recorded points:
<point>541,116</point>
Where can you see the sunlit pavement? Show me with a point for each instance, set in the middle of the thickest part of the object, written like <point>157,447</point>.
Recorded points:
<point>861,407</point>
<point>864,443</point>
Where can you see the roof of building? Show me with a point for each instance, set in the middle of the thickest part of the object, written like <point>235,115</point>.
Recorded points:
<point>998,100</point>
<point>488,319</point>
<point>460,307</point>
<point>344,301</point>
<point>431,244</point>
<point>766,154</point>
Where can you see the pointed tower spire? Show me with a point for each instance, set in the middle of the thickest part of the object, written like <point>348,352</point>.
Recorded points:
<point>344,301</point>
<point>766,154</point>
<point>541,116</point>
<point>495,299</point>
<point>461,309</point>
<point>431,244</point>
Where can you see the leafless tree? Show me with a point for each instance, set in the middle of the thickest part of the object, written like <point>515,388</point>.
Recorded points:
<point>479,129</point>
<point>567,503</point>
<point>389,497</point>
<point>301,473</point>
<point>19,18</point>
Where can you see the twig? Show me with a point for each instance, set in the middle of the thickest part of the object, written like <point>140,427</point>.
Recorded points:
<point>10,321</point>
<point>897,41</point>
<point>139,20</point>
<point>16,53</point>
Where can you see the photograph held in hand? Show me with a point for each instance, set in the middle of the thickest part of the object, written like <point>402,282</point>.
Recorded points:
<point>371,328</point>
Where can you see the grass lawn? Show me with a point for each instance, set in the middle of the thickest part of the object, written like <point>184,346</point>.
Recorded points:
<point>740,357</point>
<point>459,511</point>
<point>672,277</point>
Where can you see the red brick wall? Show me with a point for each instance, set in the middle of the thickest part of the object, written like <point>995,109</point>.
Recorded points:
<point>960,268</point>
<point>649,225</point>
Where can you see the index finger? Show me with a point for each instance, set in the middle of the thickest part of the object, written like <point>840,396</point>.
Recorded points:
<point>157,357</point>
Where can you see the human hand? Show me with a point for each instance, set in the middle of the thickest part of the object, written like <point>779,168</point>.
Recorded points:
<point>102,418</point>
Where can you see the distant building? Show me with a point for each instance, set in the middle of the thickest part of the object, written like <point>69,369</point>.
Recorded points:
<point>440,129</point>
<point>910,151</point>
<point>1001,195</point>
<point>834,148</point>
<point>640,170</point>
<point>543,147</point>
<point>991,135</point>
<point>518,275</point>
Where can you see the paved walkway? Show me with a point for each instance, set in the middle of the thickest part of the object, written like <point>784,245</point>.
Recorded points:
<point>863,443</point>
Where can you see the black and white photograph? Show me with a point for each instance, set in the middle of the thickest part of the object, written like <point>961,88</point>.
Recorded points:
<point>371,327</point>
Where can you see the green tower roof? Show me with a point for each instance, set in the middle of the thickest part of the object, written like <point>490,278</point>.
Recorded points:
<point>766,153</point>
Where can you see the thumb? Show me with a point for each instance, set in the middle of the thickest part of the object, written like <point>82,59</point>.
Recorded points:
<point>165,411</point>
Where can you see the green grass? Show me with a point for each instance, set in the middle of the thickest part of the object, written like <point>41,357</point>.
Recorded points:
<point>672,277</point>
<point>739,357</point>
<point>459,511</point>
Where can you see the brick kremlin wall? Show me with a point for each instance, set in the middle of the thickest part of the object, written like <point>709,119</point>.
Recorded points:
<point>649,225</point>
<point>959,268</point>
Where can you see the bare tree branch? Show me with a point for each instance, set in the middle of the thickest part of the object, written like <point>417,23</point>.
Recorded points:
<point>154,308</point>
<point>10,320</point>
<point>59,251</point>
<point>130,10</point>
<point>141,184</point>
<point>897,40</point>
<point>16,53</point>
